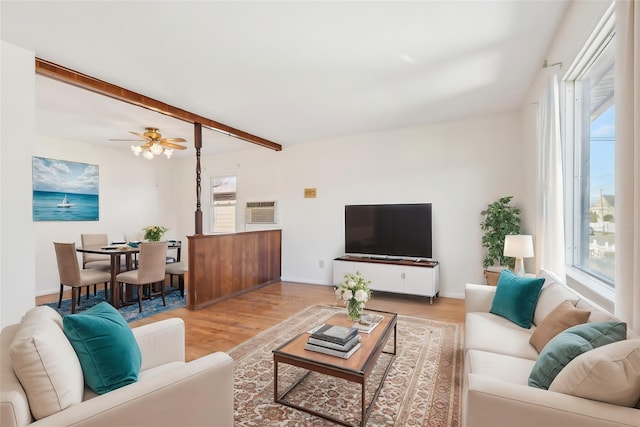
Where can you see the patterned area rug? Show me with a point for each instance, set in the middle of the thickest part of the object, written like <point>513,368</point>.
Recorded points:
<point>421,389</point>
<point>130,312</point>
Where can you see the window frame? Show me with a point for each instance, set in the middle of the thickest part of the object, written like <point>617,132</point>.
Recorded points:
<point>212,177</point>
<point>596,43</point>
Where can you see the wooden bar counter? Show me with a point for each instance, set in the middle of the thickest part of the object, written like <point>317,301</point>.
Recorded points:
<point>224,265</point>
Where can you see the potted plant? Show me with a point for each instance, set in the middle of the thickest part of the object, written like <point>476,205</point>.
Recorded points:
<point>500,219</point>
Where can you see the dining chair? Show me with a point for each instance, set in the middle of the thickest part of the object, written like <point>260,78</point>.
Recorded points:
<point>134,236</point>
<point>95,261</point>
<point>176,269</point>
<point>151,270</point>
<point>71,274</point>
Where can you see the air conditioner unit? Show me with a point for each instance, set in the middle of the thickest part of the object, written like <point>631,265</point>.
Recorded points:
<point>261,213</point>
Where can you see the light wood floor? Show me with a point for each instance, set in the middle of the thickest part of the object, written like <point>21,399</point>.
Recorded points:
<point>222,326</point>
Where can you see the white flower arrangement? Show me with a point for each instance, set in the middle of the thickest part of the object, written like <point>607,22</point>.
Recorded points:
<point>354,292</point>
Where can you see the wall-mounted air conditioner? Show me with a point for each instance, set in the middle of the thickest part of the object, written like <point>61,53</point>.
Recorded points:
<point>261,213</point>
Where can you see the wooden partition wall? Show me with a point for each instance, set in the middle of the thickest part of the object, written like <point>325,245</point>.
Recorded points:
<point>224,265</point>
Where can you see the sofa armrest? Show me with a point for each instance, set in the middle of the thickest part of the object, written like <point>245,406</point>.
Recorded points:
<point>160,342</point>
<point>492,403</point>
<point>478,297</point>
<point>197,393</point>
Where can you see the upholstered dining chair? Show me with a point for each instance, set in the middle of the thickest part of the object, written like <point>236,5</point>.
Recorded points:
<point>176,269</point>
<point>71,274</point>
<point>151,270</point>
<point>134,236</point>
<point>95,261</point>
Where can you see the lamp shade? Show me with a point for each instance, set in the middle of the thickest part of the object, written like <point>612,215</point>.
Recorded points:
<point>518,246</point>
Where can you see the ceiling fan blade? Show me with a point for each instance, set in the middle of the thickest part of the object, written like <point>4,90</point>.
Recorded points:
<point>146,138</point>
<point>173,140</point>
<point>133,140</point>
<point>171,145</point>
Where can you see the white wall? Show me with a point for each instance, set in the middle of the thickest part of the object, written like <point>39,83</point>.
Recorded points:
<point>460,167</point>
<point>17,250</point>
<point>134,192</point>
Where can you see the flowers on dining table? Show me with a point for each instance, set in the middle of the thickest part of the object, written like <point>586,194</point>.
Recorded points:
<point>354,291</point>
<point>154,233</point>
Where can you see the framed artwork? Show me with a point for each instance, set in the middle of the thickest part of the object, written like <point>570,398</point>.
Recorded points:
<point>64,191</point>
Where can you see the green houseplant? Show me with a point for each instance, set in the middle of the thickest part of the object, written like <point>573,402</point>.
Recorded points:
<point>500,219</point>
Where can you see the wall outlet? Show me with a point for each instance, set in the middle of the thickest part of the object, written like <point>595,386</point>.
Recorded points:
<point>310,193</point>
<point>321,264</point>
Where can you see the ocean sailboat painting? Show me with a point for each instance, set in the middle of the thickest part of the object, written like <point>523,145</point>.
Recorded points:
<point>64,190</point>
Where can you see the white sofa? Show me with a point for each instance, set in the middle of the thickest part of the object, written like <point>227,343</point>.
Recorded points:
<point>169,392</point>
<point>499,360</point>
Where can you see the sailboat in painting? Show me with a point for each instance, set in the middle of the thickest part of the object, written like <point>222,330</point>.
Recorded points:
<point>64,203</point>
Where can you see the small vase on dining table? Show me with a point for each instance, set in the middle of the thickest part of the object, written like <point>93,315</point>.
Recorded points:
<point>154,233</point>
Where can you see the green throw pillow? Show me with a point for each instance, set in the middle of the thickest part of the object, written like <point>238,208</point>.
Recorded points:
<point>105,345</point>
<point>516,297</point>
<point>571,343</point>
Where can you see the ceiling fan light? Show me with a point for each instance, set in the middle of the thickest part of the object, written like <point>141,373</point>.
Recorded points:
<point>136,150</point>
<point>147,154</point>
<point>168,152</point>
<point>156,148</point>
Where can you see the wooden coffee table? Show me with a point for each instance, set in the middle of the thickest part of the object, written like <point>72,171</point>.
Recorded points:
<point>356,369</point>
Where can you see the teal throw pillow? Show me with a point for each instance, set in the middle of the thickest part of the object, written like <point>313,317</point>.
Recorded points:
<point>571,343</point>
<point>516,297</point>
<point>108,352</point>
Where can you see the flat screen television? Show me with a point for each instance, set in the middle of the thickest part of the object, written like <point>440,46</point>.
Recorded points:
<point>390,230</point>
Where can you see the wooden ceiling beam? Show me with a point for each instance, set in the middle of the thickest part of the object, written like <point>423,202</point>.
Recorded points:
<point>60,73</point>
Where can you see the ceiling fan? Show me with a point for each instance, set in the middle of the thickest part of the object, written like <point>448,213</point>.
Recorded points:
<point>154,144</point>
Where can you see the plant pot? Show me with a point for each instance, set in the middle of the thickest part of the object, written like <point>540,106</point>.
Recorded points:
<point>492,274</point>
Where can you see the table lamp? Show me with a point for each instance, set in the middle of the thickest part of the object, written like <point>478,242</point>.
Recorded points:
<point>518,246</point>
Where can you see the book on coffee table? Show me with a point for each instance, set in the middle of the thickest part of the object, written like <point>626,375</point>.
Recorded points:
<point>335,346</point>
<point>331,352</point>
<point>334,333</point>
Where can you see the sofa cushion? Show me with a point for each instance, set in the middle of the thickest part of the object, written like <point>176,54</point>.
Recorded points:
<point>107,350</point>
<point>551,277</point>
<point>610,373</point>
<point>492,333</point>
<point>551,295</point>
<point>567,345</point>
<point>514,370</point>
<point>516,297</point>
<point>564,316</point>
<point>45,363</point>
<point>598,314</point>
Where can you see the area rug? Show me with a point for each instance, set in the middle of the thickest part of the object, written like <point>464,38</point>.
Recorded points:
<point>130,312</point>
<point>421,389</point>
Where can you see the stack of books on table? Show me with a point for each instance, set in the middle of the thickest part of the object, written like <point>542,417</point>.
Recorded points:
<point>339,341</point>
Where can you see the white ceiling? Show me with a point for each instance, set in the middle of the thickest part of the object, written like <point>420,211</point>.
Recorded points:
<point>288,71</point>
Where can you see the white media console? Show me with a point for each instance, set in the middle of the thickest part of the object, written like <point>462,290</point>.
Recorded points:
<point>398,276</point>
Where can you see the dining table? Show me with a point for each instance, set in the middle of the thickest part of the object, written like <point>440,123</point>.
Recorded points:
<point>116,251</point>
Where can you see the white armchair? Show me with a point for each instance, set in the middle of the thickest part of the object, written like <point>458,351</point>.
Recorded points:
<point>169,392</point>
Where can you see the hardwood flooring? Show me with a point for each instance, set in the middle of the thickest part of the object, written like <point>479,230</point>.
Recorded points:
<point>224,325</point>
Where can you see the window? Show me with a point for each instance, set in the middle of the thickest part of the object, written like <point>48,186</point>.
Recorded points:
<point>223,204</point>
<point>591,130</point>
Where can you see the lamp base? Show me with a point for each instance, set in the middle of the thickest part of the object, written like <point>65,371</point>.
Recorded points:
<point>519,268</point>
